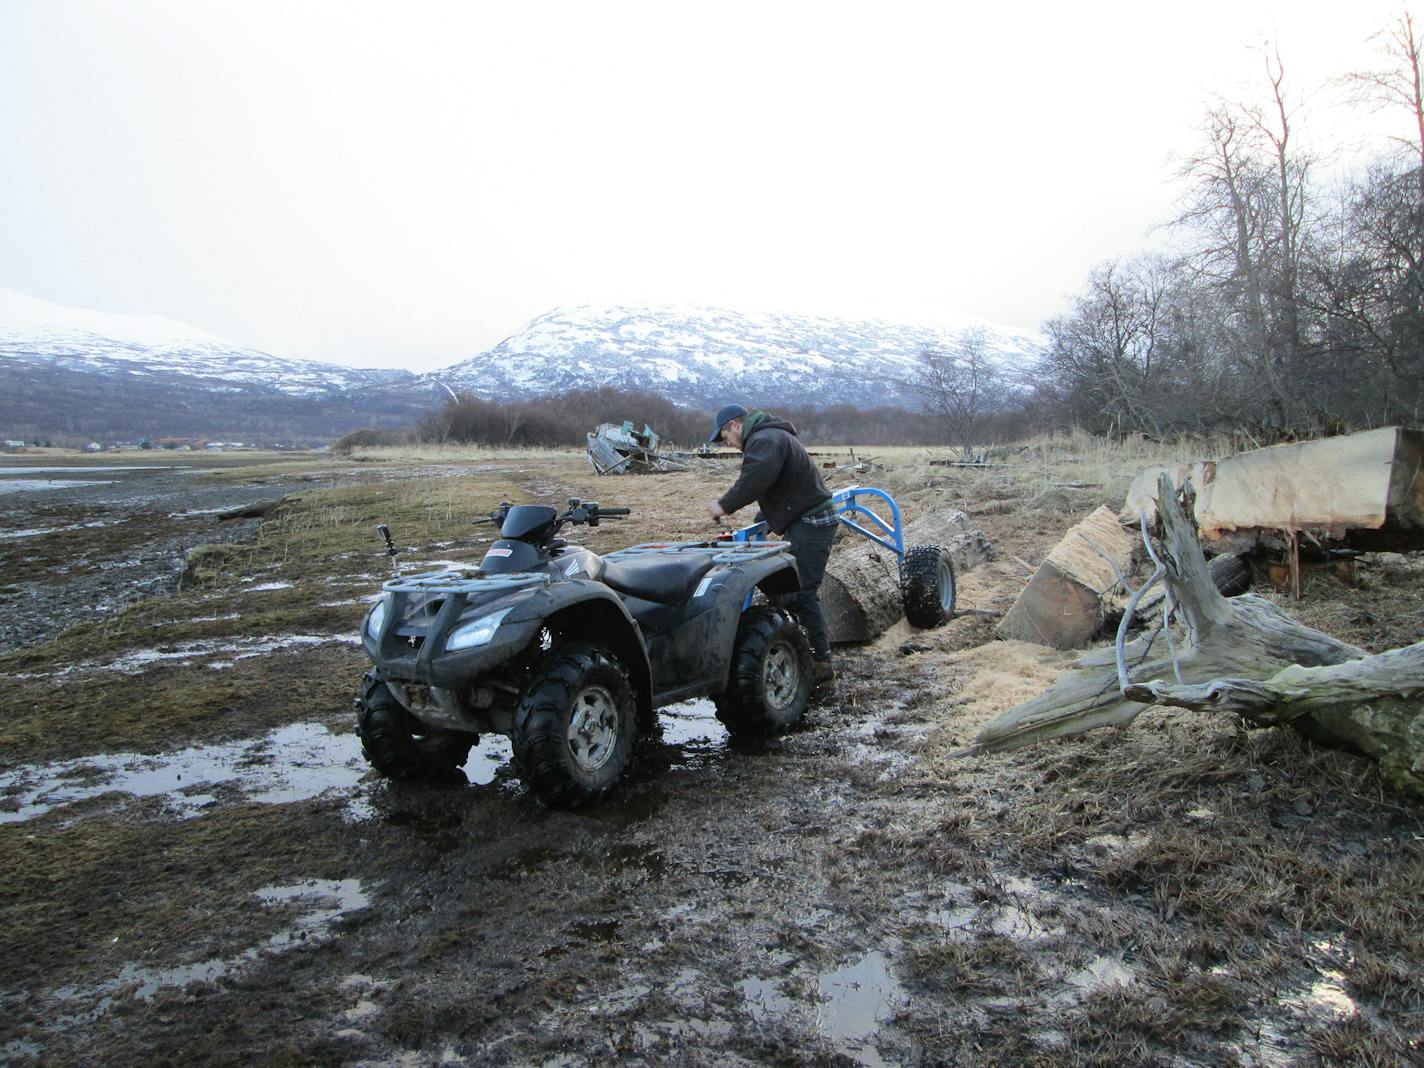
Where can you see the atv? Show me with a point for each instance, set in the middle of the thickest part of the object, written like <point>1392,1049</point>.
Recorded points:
<point>570,654</point>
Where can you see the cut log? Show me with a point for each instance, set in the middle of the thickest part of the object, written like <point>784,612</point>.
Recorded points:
<point>861,591</point>
<point>1363,491</point>
<point>1064,603</point>
<point>1242,655</point>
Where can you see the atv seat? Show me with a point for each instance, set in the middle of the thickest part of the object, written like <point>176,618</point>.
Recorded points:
<point>661,578</point>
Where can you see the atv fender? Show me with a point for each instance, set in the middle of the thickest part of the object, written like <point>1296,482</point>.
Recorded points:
<point>773,575</point>
<point>585,611</point>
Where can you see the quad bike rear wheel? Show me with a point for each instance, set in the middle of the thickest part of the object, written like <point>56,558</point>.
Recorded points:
<point>927,586</point>
<point>770,682</point>
<point>575,727</point>
<point>399,746</point>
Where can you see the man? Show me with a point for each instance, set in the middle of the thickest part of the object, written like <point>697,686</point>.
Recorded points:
<point>785,483</point>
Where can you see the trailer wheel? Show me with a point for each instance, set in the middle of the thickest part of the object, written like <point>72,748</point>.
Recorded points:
<point>770,681</point>
<point>927,586</point>
<point>575,727</point>
<point>399,746</point>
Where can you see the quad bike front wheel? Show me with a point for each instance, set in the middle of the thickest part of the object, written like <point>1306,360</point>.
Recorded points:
<point>770,681</point>
<point>927,586</point>
<point>575,727</point>
<point>401,747</point>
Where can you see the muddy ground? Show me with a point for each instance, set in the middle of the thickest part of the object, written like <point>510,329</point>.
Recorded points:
<point>199,869</point>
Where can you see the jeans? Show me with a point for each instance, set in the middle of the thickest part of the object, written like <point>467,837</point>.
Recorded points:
<point>811,538</point>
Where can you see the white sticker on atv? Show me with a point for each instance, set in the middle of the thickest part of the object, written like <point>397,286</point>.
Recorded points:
<point>496,551</point>
<point>702,586</point>
<point>572,569</point>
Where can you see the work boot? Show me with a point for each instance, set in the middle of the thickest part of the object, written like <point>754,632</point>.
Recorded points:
<point>823,677</point>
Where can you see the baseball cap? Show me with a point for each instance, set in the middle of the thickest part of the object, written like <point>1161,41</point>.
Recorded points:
<point>725,416</point>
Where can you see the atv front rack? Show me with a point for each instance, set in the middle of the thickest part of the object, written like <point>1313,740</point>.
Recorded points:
<point>453,581</point>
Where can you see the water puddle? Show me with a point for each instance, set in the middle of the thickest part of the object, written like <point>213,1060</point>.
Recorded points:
<point>1010,915</point>
<point>694,728</point>
<point>322,901</point>
<point>293,763</point>
<point>488,757</point>
<point>852,1003</point>
<point>185,654</point>
<point>1101,972</point>
<point>37,532</point>
<point>855,1000</point>
<point>85,469</point>
<point>764,1000</point>
<point>21,485</point>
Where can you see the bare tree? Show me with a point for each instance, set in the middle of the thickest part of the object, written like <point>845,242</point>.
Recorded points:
<point>1398,84</point>
<point>1128,358</point>
<point>1248,208</point>
<point>963,386</point>
<point>1378,289</point>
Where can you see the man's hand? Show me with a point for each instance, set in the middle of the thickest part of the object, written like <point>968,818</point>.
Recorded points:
<point>715,510</point>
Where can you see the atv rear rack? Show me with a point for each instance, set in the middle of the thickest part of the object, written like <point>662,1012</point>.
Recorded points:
<point>888,533</point>
<point>735,551</point>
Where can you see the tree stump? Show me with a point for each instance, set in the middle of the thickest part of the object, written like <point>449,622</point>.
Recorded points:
<point>861,591</point>
<point>1241,655</point>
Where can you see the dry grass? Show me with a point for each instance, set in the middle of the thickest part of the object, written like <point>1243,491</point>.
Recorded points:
<point>438,453</point>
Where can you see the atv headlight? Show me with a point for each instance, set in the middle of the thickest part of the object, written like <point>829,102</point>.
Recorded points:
<point>476,633</point>
<point>376,618</point>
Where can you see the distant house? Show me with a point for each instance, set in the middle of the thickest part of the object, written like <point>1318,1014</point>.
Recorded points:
<point>14,445</point>
<point>93,446</point>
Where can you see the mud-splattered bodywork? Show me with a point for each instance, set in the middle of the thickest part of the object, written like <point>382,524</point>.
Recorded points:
<point>456,647</point>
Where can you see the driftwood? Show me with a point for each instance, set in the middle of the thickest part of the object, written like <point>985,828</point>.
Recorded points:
<point>1064,603</point>
<point>861,591</point>
<point>259,510</point>
<point>1241,655</point>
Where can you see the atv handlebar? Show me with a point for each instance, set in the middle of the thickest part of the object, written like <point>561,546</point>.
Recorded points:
<point>590,512</point>
<point>499,515</point>
<point>580,512</point>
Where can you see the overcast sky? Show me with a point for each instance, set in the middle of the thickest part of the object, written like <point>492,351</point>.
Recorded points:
<point>406,184</point>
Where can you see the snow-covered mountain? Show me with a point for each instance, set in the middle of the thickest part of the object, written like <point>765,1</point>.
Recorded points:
<point>703,356</point>
<point>37,331</point>
<point>68,370</point>
<point>71,370</point>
